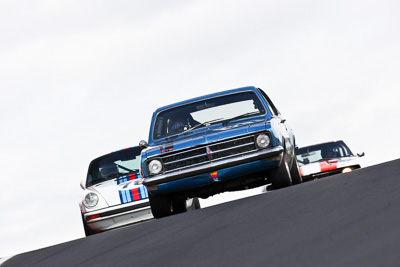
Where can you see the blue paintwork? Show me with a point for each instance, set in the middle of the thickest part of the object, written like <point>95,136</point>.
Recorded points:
<point>207,179</point>
<point>152,142</point>
<point>274,123</point>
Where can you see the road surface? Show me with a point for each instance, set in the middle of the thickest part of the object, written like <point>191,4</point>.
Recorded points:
<point>349,219</point>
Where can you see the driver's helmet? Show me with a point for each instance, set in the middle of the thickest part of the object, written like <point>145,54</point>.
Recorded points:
<point>109,170</point>
<point>328,152</point>
<point>178,125</point>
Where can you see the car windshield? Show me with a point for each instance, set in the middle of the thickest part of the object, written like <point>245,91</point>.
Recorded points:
<point>114,165</point>
<point>206,112</point>
<point>320,152</point>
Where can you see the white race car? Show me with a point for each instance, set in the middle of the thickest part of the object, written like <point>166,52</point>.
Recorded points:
<point>326,159</point>
<point>113,193</point>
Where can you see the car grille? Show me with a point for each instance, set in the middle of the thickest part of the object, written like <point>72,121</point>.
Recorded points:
<point>178,160</point>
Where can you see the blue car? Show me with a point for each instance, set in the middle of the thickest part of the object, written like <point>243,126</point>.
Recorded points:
<point>226,141</point>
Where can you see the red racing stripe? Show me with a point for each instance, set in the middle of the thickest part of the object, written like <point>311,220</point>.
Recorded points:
<point>132,176</point>
<point>135,194</point>
<point>327,166</point>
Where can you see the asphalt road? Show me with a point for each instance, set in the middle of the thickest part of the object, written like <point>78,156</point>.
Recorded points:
<point>344,220</point>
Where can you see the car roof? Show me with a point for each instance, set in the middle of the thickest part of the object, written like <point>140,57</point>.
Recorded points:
<point>323,143</point>
<point>105,155</point>
<point>241,89</point>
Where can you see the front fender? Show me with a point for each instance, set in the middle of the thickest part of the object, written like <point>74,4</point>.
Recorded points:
<point>285,138</point>
<point>276,131</point>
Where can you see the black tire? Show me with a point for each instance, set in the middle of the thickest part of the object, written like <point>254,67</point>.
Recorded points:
<point>295,173</point>
<point>178,206</point>
<point>160,206</point>
<point>280,177</point>
<point>87,229</point>
<point>196,203</point>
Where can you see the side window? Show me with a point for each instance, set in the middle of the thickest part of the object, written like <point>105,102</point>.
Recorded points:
<point>269,102</point>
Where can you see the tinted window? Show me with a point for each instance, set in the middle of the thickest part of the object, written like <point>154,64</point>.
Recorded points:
<point>315,153</point>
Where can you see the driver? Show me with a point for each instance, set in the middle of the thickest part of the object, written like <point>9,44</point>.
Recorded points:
<point>177,126</point>
<point>109,170</point>
<point>179,123</point>
<point>328,152</point>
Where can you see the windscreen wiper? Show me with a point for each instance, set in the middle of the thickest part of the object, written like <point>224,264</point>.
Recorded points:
<point>242,116</point>
<point>206,123</point>
<point>125,168</point>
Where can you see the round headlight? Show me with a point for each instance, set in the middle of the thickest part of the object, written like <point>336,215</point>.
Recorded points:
<point>263,141</point>
<point>155,166</point>
<point>91,200</point>
<point>346,170</point>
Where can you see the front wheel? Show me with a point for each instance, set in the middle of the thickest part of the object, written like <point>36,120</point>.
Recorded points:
<point>160,206</point>
<point>195,204</point>
<point>178,206</point>
<point>280,177</point>
<point>87,229</point>
<point>295,172</point>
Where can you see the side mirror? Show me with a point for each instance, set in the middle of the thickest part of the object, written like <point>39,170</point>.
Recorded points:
<point>82,184</point>
<point>361,154</point>
<point>143,144</point>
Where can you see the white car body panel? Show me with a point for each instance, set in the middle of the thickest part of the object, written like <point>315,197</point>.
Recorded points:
<point>111,202</point>
<point>332,164</point>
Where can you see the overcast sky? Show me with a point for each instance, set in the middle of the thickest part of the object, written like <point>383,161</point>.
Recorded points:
<point>79,79</point>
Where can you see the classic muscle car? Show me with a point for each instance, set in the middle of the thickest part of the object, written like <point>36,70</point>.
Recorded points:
<point>226,141</point>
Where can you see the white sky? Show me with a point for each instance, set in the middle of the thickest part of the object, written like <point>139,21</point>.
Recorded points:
<point>79,79</point>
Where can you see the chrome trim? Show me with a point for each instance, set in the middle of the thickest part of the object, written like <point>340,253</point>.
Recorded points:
<point>117,210</point>
<point>239,137</point>
<point>232,156</point>
<point>180,160</point>
<point>231,148</point>
<point>182,168</point>
<point>208,150</point>
<point>213,166</point>
<point>212,152</point>
<point>199,146</point>
<point>107,217</point>
<point>181,151</point>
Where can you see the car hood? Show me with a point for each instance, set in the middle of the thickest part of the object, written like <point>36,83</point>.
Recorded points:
<point>327,165</point>
<point>205,135</point>
<point>121,190</point>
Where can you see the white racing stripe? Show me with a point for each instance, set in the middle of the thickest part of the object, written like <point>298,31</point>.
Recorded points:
<point>311,168</point>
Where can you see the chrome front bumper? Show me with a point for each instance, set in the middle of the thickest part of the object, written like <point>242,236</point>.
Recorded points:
<point>213,166</point>
<point>118,216</point>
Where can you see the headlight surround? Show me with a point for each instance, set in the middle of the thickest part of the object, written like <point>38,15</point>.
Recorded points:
<point>155,166</point>
<point>263,140</point>
<point>91,200</point>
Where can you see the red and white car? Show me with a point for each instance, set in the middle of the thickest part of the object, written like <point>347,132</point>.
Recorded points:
<point>325,159</point>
